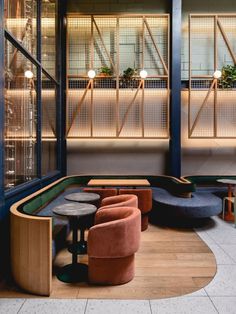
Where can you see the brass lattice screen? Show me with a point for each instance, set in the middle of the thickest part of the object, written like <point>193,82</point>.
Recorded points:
<point>212,45</point>
<point>108,107</point>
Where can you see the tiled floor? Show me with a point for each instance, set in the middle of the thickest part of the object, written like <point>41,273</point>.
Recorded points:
<point>218,297</point>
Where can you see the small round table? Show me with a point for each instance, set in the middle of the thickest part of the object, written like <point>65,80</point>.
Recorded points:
<point>81,197</point>
<point>75,272</point>
<point>229,216</point>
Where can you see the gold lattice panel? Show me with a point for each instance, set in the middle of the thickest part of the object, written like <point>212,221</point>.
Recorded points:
<point>106,107</point>
<point>212,109</point>
<point>226,113</point>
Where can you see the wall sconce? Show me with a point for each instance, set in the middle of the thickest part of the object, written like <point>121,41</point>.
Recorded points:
<point>143,74</point>
<point>29,74</point>
<point>217,74</point>
<point>91,74</point>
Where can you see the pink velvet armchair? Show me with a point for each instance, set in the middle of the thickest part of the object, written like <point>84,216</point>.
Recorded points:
<point>120,201</point>
<point>112,244</point>
<point>144,203</point>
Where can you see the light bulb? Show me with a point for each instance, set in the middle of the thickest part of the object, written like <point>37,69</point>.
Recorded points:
<point>143,74</point>
<point>217,74</point>
<point>29,74</point>
<point>91,74</point>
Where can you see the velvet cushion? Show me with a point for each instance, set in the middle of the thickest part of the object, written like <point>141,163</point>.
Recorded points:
<point>116,233</point>
<point>112,243</point>
<point>144,222</point>
<point>111,271</point>
<point>119,200</point>
<point>144,198</point>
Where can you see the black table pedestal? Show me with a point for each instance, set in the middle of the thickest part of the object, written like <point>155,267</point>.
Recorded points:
<point>75,272</point>
<point>79,247</point>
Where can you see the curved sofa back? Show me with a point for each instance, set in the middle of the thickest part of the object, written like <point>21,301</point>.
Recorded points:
<point>207,179</point>
<point>45,195</point>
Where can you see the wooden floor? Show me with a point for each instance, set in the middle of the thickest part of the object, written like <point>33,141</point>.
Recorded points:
<point>170,262</point>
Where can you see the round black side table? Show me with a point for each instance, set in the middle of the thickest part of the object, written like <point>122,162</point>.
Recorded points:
<point>75,272</point>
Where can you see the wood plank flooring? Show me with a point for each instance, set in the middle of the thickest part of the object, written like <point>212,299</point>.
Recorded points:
<point>170,262</point>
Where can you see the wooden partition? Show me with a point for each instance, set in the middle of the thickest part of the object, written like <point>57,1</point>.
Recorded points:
<point>31,252</point>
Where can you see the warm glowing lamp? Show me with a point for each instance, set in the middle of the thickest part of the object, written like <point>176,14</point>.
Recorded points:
<point>217,74</point>
<point>29,74</point>
<point>91,74</point>
<point>143,74</point>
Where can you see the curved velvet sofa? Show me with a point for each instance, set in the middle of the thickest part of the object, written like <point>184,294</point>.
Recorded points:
<point>32,235</point>
<point>206,201</point>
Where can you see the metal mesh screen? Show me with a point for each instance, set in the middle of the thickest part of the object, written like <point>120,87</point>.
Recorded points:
<point>48,36</point>
<point>212,46</point>
<point>156,113</point>
<point>226,113</point>
<point>228,25</point>
<point>104,43</point>
<point>49,129</point>
<point>79,109</point>
<point>205,118</point>
<point>109,106</point>
<point>130,43</point>
<point>79,41</point>
<point>155,40</point>
<point>202,45</point>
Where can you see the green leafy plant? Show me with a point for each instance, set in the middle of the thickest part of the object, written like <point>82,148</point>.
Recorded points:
<point>105,71</point>
<point>228,78</point>
<point>129,77</point>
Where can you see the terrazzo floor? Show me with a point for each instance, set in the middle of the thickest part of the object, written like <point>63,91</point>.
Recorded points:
<point>218,297</point>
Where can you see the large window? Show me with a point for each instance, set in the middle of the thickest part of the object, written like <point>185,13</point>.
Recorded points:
<point>30,90</point>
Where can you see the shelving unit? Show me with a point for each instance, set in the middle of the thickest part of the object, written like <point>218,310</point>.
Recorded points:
<point>107,107</point>
<point>212,42</point>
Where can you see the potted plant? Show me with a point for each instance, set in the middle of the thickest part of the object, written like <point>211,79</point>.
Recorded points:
<point>228,78</point>
<point>105,71</point>
<point>129,77</point>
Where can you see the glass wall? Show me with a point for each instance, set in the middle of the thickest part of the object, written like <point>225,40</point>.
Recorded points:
<point>20,117</point>
<point>21,22</point>
<point>30,88</point>
<point>48,36</point>
<point>49,128</point>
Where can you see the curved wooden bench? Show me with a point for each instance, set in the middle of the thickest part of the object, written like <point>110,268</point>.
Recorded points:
<point>31,252</point>
<point>31,235</point>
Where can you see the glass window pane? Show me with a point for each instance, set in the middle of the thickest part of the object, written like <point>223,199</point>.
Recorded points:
<point>20,118</point>
<point>20,20</point>
<point>49,139</point>
<point>48,36</point>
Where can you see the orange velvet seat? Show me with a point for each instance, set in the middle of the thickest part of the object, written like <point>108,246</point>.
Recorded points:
<point>119,200</point>
<point>102,192</point>
<point>112,244</point>
<point>144,203</point>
